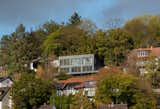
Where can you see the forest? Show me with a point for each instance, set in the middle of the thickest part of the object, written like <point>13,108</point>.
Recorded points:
<point>74,37</point>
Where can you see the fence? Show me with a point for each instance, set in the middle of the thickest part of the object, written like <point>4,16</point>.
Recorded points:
<point>112,106</point>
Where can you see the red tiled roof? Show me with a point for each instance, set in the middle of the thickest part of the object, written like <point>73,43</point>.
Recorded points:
<point>77,79</point>
<point>79,86</point>
<point>80,80</point>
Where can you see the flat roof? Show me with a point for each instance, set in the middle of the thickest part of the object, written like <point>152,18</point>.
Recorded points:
<point>72,56</point>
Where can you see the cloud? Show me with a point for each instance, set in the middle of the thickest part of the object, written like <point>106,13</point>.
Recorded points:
<point>32,13</point>
<point>131,8</point>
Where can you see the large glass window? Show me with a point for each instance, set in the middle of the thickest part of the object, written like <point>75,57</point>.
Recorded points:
<point>87,60</point>
<point>66,70</point>
<point>87,68</point>
<point>61,62</point>
<point>64,62</point>
<point>76,69</point>
<point>76,61</point>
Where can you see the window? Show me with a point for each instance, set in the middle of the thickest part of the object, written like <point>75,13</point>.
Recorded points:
<point>87,60</point>
<point>64,70</point>
<point>76,61</point>
<point>64,62</point>
<point>76,69</point>
<point>143,53</point>
<point>87,68</point>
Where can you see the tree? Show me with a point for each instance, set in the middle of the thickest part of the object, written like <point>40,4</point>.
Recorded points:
<point>88,26</point>
<point>68,40</point>
<point>120,88</point>
<point>50,27</point>
<point>75,19</point>
<point>20,28</point>
<point>81,101</point>
<point>20,48</point>
<point>113,45</point>
<point>152,67</point>
<point>145,30</point>
<point>61,101</point>
<point>29,92</point>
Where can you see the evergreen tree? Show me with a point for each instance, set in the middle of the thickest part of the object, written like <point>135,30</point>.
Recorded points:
<point>75,19</point>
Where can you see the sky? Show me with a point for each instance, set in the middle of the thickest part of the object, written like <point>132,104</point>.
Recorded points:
<point>33,13</point>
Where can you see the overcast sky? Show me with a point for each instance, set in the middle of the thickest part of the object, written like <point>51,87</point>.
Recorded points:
<point>33,13</point>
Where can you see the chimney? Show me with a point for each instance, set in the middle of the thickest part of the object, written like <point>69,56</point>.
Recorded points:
<point>151,47</point>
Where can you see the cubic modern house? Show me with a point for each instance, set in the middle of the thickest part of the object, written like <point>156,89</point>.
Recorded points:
<point>77,64</point>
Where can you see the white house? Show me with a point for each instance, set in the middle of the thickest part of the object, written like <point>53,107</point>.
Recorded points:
<point>5,82</point>
<point>73,85</point>
<point>5,99</point>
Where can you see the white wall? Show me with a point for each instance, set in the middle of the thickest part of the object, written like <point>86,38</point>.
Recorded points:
<point>6,83</point>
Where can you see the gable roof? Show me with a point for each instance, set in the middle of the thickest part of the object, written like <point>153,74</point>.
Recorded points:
<point>76,82</point>
<point>78,79</point>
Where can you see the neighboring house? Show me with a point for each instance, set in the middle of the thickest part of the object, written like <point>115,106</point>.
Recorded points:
<point>73,85</point>
<point>5,82</point>
<point>5,98</point>
<point>141,55</point>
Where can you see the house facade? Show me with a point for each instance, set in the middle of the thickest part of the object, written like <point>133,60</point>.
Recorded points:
<point>74,85</point>
<point>5,98</point>
<point>77,64</point>
<point>141,56</point>
<point>5,82</point>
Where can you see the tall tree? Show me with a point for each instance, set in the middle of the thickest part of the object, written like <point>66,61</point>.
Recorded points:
<point>75,19</point>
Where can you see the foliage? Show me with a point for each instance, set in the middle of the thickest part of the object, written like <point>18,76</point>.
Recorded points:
<point>68,40</point>
<point>88,26</point>
<point>63,76</point>
<point>18,49</point>
<point>145,30</point>
<point>113,45</point>
<point>50,27</point>
<point>75,19</point>
<point>122,88</point>
<point>61,101</point>
<point>81,101</point>
<point>29,92</point>
<point>153,71</point>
